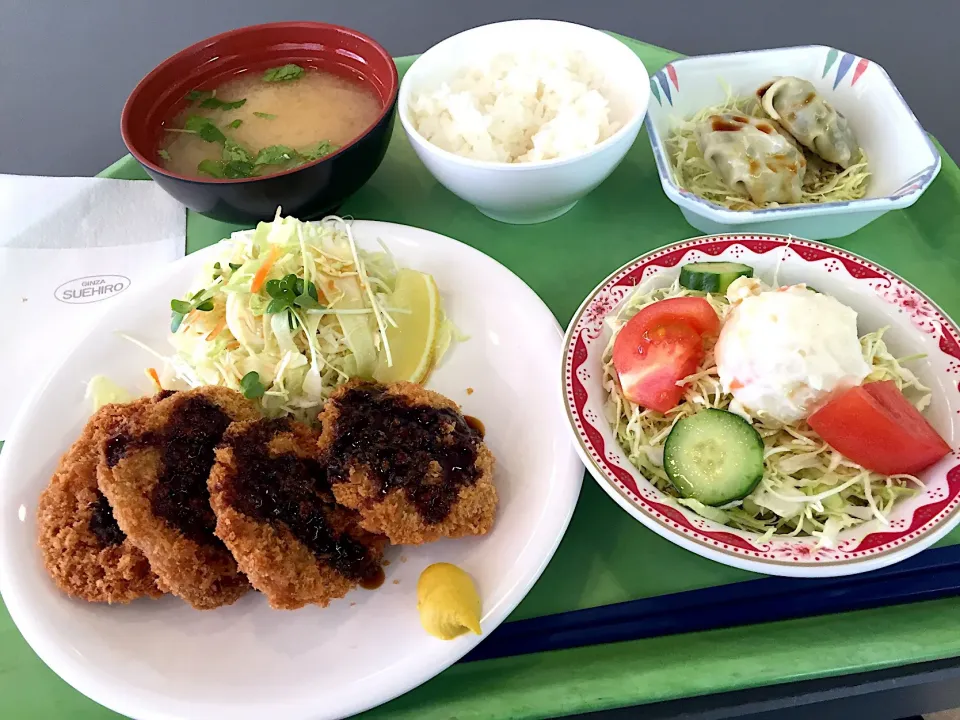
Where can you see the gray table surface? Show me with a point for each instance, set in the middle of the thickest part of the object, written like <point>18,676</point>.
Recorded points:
<point>66,67</point>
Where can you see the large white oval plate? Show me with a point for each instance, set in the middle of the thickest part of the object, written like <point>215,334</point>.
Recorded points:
<point>161,660</point>
<point>880,299</point>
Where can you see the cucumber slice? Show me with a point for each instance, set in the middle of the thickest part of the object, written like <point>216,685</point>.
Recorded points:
<point>712,277</point>
<point>714,457</point>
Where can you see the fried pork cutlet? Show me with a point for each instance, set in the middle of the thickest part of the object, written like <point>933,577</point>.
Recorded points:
<point>154,472</point>
<point>276,513</point>
<point>84,550</point>
<point>407,461</point>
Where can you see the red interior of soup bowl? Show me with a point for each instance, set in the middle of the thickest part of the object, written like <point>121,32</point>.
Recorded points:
<point>161,95</point>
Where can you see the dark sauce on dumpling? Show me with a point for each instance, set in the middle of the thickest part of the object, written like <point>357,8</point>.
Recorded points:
<point>719,123</point>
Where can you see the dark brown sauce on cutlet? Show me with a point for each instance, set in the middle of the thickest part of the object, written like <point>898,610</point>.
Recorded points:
<point>103,524</point>
<point>476,424</point>
<point>294,491</point>
<point>116,448</point>
<point>374,580</point>
<point>402,446</point>
<point>189,440</point>
<point>187,443</point>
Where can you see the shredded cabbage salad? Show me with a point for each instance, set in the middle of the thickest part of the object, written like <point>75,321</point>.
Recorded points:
<point>823,182</point>
<point>296,303</point>
<point>807,487</point>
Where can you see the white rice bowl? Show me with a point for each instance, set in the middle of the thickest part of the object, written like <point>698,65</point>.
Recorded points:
<point>517,107</point>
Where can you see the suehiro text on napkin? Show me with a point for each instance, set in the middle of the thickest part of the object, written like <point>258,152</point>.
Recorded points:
<point>69,249</point>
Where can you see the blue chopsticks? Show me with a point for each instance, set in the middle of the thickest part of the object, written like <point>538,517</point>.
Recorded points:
<point>930,575</point>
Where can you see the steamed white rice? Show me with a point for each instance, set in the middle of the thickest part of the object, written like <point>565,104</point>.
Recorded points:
<point>517,107</point>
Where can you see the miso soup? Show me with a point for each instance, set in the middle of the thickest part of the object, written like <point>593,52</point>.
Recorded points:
<point>264,122</point>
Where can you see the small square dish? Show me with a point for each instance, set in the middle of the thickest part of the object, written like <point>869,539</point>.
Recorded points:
<point>902,159</point>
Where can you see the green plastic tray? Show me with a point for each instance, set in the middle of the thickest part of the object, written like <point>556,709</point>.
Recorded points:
<point>607,557</point>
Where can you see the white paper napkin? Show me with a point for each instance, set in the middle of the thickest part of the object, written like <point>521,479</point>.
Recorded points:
<point>69,249</point>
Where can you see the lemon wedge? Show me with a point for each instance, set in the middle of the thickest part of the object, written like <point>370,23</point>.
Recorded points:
<point>412,342</point>
<point>448,602</point>
<point>101,391</point>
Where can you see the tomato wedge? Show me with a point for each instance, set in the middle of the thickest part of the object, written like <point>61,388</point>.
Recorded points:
<point>694,311</point>
<point>877,427</point>
<point>659,346</point>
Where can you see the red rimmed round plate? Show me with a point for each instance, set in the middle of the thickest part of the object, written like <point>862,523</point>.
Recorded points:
<point>881,299</point>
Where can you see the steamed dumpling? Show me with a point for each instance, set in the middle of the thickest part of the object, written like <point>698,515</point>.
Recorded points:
<point>814,122</point>
<point>753,157</point>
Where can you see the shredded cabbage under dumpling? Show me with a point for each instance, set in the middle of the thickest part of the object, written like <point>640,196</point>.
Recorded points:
<point>823,182</point>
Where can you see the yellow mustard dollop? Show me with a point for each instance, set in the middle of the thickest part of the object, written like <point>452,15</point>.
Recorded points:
<point>448,602</point>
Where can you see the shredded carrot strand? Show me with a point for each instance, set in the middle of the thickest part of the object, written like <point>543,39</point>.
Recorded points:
<point>155,378</point>
<point>217,329</point>
<point>261,275</point>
